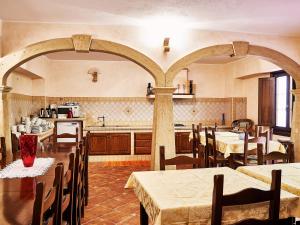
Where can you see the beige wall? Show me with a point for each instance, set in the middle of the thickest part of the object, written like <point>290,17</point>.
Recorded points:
<point>0,38</point>
<point>20,83</point>
<point>18,35</point>
<point>247,87</point>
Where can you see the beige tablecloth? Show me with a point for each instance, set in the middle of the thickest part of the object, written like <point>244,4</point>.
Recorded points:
<point>290,180</point>
<point>184,197</point>
<point>228,142</point>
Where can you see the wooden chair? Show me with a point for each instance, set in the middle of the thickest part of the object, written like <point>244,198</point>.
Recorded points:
<point>266,136</point>
<point>65,135</point>
<point>46,208</point>
<point>271,157</point>
<point>249,157</point>
<point>86,168</point>
<point>289,146</point>
<point>3,147</point>
<point>67,193</point>
<point>213,156</point>
<point>247,196</point>
<point>243,125</point>
<point>196,138</point>
<point>78,198</point>
<point>179,160</point>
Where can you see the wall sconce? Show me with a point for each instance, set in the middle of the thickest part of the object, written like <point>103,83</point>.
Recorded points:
<point>166,45</point>
<point>94,73</point>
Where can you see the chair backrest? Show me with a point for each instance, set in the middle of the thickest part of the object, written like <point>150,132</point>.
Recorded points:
<point>66,208</point>
<point>3,147</point>
<point>266,135</point>
<point>272,157</point>
<point>210,144</point>
<point>66,135</point>
<point>247,196</point>
<point>248,152</point>
<point>179,160</point>
<point>78,174</point>
<point>48,205</point>
<point>289,146</point>
<point>196,139</point>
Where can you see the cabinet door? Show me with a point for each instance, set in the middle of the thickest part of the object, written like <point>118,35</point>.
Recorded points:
<point>119,144</point>
<point>142,143</point>
<point>183,145</point>
<point>98,144</point>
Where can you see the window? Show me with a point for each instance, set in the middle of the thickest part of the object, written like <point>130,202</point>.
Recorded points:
<point>283,103</point>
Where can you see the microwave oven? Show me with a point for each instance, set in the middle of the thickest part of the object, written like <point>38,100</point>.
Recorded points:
<point>62,111</point>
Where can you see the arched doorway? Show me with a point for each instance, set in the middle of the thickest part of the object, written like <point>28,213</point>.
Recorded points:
<point>78,43</point>
<point>239,48</point>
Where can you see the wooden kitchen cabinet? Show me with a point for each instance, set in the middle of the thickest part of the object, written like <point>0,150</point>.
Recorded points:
<point>119,144</point>
<point>142,143</point>
<point>109,144</point>
<point>183,145</point>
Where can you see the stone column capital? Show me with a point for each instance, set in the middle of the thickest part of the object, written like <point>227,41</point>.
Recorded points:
<point>164,90</point>
<point>5,89</point>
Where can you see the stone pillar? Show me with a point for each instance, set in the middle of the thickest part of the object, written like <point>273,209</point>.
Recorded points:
<point>163,125</point>
<point>295,134</point>
<point>4,115</point>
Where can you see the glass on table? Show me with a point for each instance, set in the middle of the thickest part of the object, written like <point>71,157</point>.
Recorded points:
<point>28,147</point>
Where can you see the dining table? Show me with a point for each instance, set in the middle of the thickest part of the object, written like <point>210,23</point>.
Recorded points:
<point>232,143</point>
<point>184,197</point>
<point>17,194</point>
<point>290,177</point>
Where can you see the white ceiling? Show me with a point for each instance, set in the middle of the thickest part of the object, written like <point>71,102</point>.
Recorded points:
<point>253,16</point>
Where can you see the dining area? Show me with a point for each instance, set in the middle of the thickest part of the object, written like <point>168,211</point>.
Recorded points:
<point>44,185</point>
<point>231,177</point>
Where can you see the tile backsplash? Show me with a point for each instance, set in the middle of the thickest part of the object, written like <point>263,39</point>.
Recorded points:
<point>136,110</point>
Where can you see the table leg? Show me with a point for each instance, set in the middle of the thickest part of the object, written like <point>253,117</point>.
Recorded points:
<point>287,221</point>
<point>143,216</point>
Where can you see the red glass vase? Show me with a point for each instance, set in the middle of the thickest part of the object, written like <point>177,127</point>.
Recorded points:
<point>28,146</point>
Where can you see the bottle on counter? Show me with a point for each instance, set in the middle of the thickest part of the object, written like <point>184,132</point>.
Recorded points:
<point>70,113</point>
<point>191,87</point>
<point>149,89</point>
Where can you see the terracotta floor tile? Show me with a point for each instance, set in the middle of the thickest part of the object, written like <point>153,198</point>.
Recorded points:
<point>109,202</point>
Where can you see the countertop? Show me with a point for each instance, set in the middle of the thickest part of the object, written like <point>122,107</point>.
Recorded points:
<point>134,127</point>
<point>62,119</point>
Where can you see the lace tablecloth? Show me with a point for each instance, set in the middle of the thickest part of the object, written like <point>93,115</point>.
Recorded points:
<point>184,197</point>
<point>228,142</point>
<point>17,170</point>
<point>290,178</point>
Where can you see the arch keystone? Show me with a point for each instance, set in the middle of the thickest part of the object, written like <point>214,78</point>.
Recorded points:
<point>82,42</point>
<point>240,48</point>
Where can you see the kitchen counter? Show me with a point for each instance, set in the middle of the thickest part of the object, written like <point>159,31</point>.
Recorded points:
<point>128,128</point>
<point>136,128</point>
<point>65,119</point>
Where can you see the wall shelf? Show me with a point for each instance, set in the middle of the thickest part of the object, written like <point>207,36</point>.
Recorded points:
<point>175,96</point>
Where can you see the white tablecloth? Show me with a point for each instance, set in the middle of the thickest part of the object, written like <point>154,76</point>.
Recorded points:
<point>290,179</point>
<point>184,197</point>
<point>228,142</point>
<point>17,170</point>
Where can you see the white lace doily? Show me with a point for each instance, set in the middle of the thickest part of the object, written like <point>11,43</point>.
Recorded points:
<point>17,170</point>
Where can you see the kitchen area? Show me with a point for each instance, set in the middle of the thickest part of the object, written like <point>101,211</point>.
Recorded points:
<point>95,91</point>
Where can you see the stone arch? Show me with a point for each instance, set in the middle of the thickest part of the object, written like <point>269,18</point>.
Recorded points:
<point>241,48</point>
<point>79,43</point>
<point>237,48</point>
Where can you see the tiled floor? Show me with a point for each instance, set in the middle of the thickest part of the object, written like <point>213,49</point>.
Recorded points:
<point>109,202</point>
